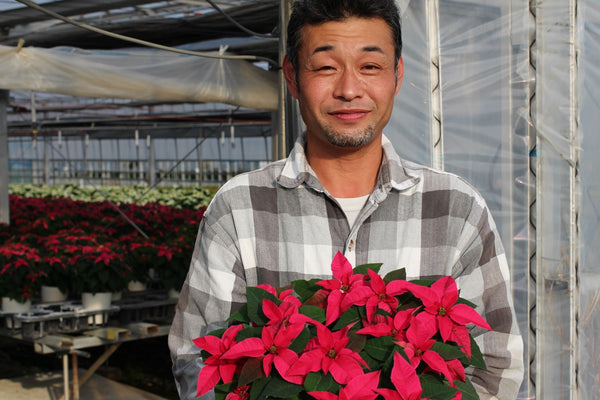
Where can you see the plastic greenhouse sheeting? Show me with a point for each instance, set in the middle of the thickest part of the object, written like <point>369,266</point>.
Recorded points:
<point>138,75</point>
<point>504,93</point>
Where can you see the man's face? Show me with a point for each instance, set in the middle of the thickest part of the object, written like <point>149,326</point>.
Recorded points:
<point>346,80</point>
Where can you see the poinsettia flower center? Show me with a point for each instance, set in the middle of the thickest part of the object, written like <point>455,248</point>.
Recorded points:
<point>242,391</point>
<point>442,312</point>
<point>273,349</point>
<point>331,353</point>
<point>344,288</point>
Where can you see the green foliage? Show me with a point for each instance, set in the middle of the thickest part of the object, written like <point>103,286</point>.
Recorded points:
<point>176,196</point>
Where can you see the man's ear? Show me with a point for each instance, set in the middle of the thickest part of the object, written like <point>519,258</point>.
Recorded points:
<point>399,75</point>
<point>290,77</point>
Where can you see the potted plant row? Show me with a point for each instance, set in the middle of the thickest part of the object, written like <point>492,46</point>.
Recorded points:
<point>80,247</point>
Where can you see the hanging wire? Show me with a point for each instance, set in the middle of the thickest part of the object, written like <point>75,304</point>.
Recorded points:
<point>144,42</point>
<point>233,21</point>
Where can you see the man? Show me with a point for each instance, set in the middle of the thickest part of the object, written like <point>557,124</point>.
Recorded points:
<point>343,188</point>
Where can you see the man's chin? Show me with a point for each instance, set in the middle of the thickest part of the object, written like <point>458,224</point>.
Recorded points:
<point>349,140</point>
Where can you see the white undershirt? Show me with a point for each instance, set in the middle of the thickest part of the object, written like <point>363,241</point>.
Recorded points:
<point>352,206</point>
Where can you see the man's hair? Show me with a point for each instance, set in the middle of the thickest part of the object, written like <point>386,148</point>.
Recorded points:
<point>315,12</point>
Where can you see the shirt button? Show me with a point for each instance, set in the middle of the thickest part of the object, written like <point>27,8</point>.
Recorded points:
<point>351,245</point>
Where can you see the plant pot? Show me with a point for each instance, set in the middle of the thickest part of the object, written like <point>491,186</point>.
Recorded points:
<point>96,301</point>
<point>136,286</point>
<point>52,294</point>
<point>14,307</point>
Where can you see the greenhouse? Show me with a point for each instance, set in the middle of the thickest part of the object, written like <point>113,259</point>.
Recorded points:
<point>499,92</point>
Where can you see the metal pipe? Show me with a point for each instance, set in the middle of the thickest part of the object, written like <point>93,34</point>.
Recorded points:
<point>4,176</point>
<point>432,11</point>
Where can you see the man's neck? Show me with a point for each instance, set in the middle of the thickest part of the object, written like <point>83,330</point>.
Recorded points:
<point>345,172</point>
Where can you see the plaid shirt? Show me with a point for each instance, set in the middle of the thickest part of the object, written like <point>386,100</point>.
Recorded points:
<point>279,224</point>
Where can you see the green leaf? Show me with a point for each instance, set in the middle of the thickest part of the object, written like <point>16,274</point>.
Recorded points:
<point>467,389</point>
<point>314,312</point>
<point>251,331</point>
<point>476,357</point>
<point>423,282</point>
<point>273,386</point>
<point>371,362</point>
<point>222,390</point>
<point>396,275</point>
<point>255,297</point>
<point>467,302</point>
<point>349,317</point>
<point>362,269</point>
<point>319,382</point>
<point>356,342</point>
<point>448,351</point>
<point>257,388</point>
<point>380,348</point>
<point>306,289</point>
<point>435,389</point>
<point>251,371</point>
<point>217,332</point>
<point>301,341</point>
<point>240,315</point>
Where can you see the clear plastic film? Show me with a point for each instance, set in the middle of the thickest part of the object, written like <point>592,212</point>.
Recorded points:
<point>138,75</point>
<point>518,115</point>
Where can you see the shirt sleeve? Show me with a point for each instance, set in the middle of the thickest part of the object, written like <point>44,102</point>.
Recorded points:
<point>215,283</point>
<point>483,276</point>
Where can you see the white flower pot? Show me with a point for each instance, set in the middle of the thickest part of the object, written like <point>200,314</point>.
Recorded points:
<point>136,286</point>
<point>52,294</point>
<point>96,301</point>
<point>12,306</point>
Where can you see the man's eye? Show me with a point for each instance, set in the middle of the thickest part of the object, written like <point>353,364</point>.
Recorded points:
<point>371,67</point>
<point>325,68</point>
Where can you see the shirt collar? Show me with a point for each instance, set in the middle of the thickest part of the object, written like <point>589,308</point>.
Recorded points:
<point>392,173</point>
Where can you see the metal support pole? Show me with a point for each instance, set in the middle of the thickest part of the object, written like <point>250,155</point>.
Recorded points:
<point>200,169</point>
<point>151,161</point>
<point>75,376</point>
<point>86,139</point>
<point>279,136</point>
<point>4,175</point>
<point>46,161</point>
<point>94,367</point>
<point>432,10</point>
<point>574,186</point>
<point>65,360</point>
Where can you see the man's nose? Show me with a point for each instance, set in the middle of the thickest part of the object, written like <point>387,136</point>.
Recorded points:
<point>349,85</point>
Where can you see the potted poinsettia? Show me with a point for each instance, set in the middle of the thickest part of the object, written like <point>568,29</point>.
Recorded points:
<point>98,269</point>
<point>19,275</point>
<point>174,261</point>
<point>357,335</point>
<point>55,276</point>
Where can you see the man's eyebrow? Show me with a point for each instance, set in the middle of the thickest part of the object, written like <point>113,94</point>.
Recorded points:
<point>329,47</point>
<point>373,48</point>
<point>320,49</point>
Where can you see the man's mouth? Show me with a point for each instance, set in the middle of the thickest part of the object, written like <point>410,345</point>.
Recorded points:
<point>349,115</point>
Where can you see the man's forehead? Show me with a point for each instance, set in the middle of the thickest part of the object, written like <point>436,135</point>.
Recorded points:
<point>327,36</point>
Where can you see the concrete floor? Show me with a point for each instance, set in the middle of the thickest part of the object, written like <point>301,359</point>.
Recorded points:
<point>49,386</point>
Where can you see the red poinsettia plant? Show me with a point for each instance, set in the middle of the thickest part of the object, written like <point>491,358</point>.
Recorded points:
<point>356,336</point>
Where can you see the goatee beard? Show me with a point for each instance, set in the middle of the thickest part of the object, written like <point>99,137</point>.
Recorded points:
<point>356,138</point>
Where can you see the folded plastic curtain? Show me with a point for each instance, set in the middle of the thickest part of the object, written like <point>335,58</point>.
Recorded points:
<point>138,75</point>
